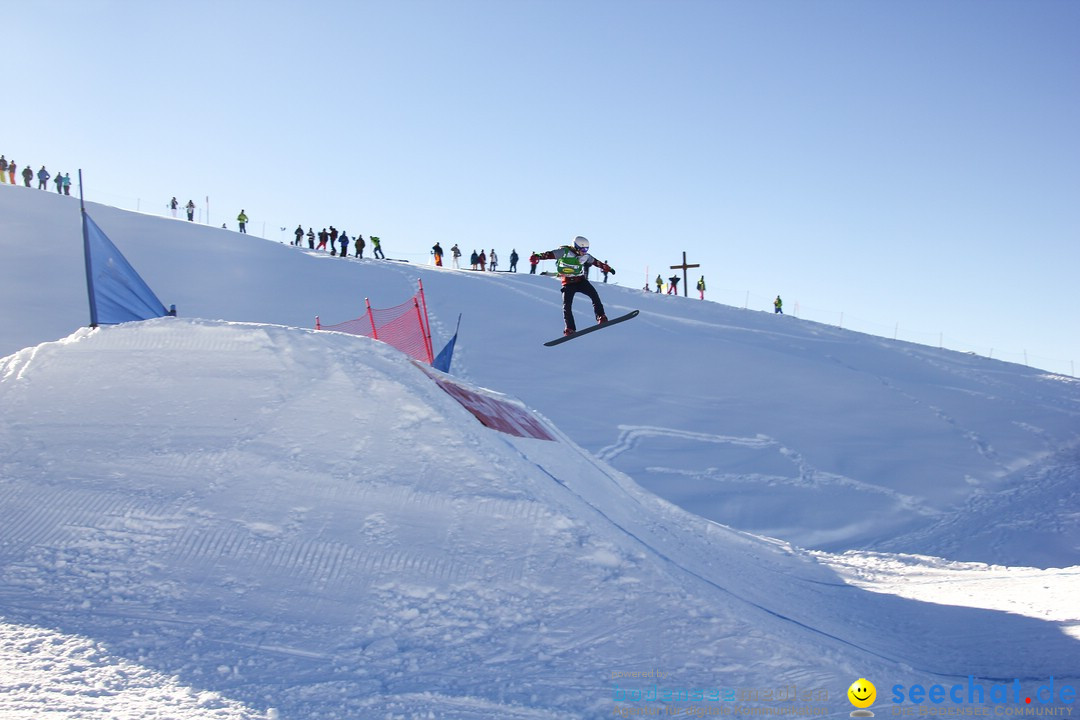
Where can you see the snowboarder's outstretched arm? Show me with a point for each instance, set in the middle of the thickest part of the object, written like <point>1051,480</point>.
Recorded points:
<point>585,259</point>
<point>603,266</point>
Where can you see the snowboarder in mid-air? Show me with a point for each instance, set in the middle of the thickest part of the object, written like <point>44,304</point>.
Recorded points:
<point>572,262</point>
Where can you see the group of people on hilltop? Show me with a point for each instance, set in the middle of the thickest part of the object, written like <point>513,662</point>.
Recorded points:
<point>8,169</point>
<point>174,205</point>
<point>673,285</point>
<point>484,262</point>
<point>339,242</point>
<point>673,289</point>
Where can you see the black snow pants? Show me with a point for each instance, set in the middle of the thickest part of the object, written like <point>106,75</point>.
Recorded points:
<point>571,289</point>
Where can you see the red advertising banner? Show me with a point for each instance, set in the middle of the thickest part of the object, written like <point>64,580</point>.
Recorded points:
<point>493,411</point>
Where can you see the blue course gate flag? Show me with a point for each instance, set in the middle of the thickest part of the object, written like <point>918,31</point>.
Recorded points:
<point>442,360</point>
<point>117,293</point>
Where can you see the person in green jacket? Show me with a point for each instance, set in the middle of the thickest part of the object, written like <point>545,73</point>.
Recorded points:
<point>701,286</point>
<point>572,262</point>
<point>242,219</point>
<point>778,306</point>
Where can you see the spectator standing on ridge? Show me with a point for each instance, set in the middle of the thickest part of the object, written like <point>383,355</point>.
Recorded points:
<point>173,205</point>
<point>436,250</point>
<point>242,218</point>
<point>481,260</point>
<point>360,246</point>
<point>376,248</point>
<point>3,169</point>
<point>43,178</point>
<point>701,286</point>
<point>299,233</point>
<point>513,260</point>
<point>190,207</point>
<point>58,181</point>
<point>572,262</point>
<point>673,288</point>
<point>11,171</point>
<point>659,284</point>
<point>455,255</point>
<point>310,239</point>
<point>344,244</point>
<point>323,238</point>
<point>474,258</point>
<point>27,175</point>
<point>778,306</point>
<point>494,260</point>
<point>67,184</point>
<point>534,260</point>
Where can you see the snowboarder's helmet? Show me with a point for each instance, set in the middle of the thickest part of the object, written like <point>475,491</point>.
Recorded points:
<point>581,245</point>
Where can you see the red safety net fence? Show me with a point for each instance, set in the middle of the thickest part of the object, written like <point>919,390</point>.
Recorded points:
<point>403,326</point>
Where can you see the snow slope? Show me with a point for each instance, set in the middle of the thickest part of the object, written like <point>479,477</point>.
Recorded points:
<point>254,521</point>
<point>827,438</point>
<point>216,518</point>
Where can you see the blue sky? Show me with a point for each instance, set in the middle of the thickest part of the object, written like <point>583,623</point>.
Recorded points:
<point>907,168</point>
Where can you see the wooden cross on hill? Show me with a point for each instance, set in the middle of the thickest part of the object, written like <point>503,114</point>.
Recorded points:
<point>684,267</point>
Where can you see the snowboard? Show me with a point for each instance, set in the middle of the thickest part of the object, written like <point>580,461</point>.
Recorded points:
<point>592,328</point>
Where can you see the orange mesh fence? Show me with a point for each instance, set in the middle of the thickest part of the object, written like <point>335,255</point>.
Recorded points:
<point>404,326</point>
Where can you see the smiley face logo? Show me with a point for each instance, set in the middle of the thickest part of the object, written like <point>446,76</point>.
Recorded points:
<point>862,693</point>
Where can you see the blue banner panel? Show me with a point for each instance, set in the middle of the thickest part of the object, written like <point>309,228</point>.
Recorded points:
<point>117,293</point>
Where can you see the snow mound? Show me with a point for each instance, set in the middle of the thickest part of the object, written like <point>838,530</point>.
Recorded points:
<point>305,521</point>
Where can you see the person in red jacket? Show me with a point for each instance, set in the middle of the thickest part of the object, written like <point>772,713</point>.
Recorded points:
<point>572,262</point>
